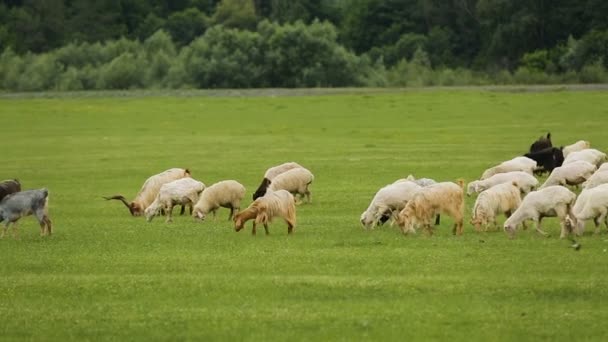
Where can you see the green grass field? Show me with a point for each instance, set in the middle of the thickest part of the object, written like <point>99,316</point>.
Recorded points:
<point>105,275</point>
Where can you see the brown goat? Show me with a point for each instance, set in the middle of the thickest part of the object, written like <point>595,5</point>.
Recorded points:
<point>277,203</point>
<point>9,186</point>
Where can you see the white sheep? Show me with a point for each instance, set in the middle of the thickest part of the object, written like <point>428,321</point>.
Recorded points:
<point>577,146</point>
<point>589,155</point>
<point>524,164</point>
<point>574,173</point>
<point>603,167</point>
<point>591,204</point>
<point>280,203</point>
<point>420,181</point>
<point>597,178</point>
<point>524,180</point>
<point>387,201</point>
<point>503,198</point>
<point>226,194</point>
<point>445,197</point>
<point>551,201</point>
<point>150,189</point>
<point>270,174</point>
<point>296,181</point>
<point>183,191</point>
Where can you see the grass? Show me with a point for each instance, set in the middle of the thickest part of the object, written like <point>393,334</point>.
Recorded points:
<point>104,275</point>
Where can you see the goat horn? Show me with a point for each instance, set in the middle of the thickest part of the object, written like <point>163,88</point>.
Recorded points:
<point>122,199</point>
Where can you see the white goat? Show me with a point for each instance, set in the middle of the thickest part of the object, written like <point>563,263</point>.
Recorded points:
<point>503,198</point>
<point>150,189</point>
<point>551,201</point>
<point>589,155</point>
<point>577,146</point>
<point>524,180</point>
<point>524,164</point>
<point>296,181</point>
<point>597,178</point>
<point>388,200</point>
<point>574,173</point>
<point>183,191</point>
<point>226,194</point>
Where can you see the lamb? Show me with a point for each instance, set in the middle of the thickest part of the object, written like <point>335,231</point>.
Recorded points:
<point>24,203</point>
<point>589,155</point>
<point>597,178</point>
<point>550,201</point>
<point>150,189</point>
<point>279,203</point>
<point>499,199</point>
<point>296,181</point>
<point>183,191</point>
<point>270,174</point>
<point>388,200</point>
<point>445,197</point>
<point>591,204</point>
<point>577,146</point>
<point>541,143</point>
<point>516,164</point>
<point>574,173</point>
<point>9,186</point>
<point>525,181</point>
<point>546,159</point>
<point>226,194</point>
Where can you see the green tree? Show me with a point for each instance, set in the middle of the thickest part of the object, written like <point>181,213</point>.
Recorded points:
<point>186,25</point>
<point>236,14</point>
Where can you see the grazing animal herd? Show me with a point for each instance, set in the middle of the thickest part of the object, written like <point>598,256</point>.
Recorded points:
<point>508,188</point>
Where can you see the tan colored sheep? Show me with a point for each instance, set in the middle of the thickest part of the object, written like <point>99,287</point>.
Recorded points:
<point>278,203</point>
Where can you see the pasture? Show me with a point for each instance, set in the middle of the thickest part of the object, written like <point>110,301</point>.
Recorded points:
<point>105,275</point>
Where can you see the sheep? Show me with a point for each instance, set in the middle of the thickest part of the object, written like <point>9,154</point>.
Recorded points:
<point>296,181</point>
<point>388,200</point>
<point>8,187</point>
<point>597,178</point>
<point>577,146</point>
<point>541,143</point>
<point>516,164</point>
<point>445,197</point>
<point>422,182</point>
<point>24,203</point>
<point>270,174</point>
<point>525,181</point>
<point>150,189</point>
<point>550,201</point>
<point>279,203</point>
<point>591,204</point>
<point>589,155</point>
<point>226,194</point>
<point>574,173</point>
<point>502,198</point>
<point>183,191</point>
<point>546,159</point>
<point>603,167</point>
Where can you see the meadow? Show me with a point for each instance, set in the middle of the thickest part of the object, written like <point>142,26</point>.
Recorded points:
<point>104,275</point>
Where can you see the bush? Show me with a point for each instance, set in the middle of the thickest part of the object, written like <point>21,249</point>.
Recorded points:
<point>41,73</point>
<point>593,73</point>
<point>124,72</point>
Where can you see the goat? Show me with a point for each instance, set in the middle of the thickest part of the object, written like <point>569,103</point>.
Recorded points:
<point>24,203</point>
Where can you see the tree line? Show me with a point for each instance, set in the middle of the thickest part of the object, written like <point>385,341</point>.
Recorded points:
<point>109,44</point>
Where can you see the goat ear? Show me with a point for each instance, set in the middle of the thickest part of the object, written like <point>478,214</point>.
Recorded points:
<point>548,135</point>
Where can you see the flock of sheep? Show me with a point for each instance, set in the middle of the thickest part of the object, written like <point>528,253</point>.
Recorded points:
<point>409,202</point>
<point>413,203</point>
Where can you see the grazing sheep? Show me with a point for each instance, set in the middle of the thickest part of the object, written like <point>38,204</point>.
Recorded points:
<point>551,201</point>
<point>603,167</point>
<point>296,181</point>
<point>422,182</point>
<point>226,194</point>
<point>150,189</point>
<point>591,204</point>
<point>499,199</point>
<point>546,159</point>
<point>279,203</point>
<point>525,181</point>
<point>183,191</point>
<point>574,173</point>
<point>24,203</point>
<point>541,143</point>
<point>589,155</point>
<point>524,164</point>
<point>577,146</point>
<point>9,186</point>
<point>270,174</point>
<point>597,178</point>
<point>387,201</point>
<point>445,197</point>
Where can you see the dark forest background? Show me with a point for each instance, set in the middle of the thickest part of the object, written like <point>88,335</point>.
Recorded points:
<point>121,44</point>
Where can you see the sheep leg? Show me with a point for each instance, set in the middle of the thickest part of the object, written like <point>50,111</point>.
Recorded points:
<point>437,219</point>
<point>290,225</point>
<point>183,210</point>
<point>538,228</point>
<point>15,230</point>
<point>169,211</point>
<point>49,225</point>
<point>231,215</point>
<point>598,220</point>
<point>253,229</point>
<point>429,229</point>
<point>308,196</point>
<point>4,230</point>
<point>266,228</point>
<point>214,214</point>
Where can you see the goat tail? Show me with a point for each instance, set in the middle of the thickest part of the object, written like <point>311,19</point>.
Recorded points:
<point>122,199</point>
